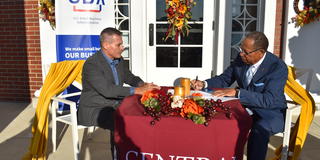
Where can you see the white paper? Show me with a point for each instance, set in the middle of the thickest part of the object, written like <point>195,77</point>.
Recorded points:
<point>208,95</point>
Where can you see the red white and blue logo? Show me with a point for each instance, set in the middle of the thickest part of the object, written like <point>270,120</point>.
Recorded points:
<point>87,5</point>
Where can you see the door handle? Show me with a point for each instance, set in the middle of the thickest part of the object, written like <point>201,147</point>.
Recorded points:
<point>151,30</point>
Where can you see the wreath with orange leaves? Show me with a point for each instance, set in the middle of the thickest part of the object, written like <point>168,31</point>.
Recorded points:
<point>178,16</point>
<point>47,11</point>
<point>310,13</point>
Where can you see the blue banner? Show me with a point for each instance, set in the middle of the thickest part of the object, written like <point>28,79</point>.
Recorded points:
<point>75,47</point>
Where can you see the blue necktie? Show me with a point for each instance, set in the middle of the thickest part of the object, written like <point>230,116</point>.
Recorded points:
<point>249,74</point>
<point>114,71</point>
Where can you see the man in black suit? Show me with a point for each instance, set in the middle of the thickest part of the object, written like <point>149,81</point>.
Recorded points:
<point>261,77</point>
<point>103,77</point>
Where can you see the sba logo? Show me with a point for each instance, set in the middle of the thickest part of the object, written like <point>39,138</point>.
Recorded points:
<point>87,5</point>
<point>87,2</point>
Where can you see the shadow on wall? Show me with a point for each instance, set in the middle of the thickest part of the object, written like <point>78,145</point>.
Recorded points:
<point>305,53</point>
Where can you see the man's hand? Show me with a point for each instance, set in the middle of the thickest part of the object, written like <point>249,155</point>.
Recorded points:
<point>145,87</point>
<point>197,85</point>
<point>225,92</point>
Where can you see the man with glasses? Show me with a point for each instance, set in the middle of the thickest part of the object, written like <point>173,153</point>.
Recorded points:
<point>261,77</point>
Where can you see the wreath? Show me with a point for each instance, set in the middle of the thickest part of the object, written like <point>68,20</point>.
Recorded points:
<point>47,11</point>
<point>310,13</point>
<point>178,15</point>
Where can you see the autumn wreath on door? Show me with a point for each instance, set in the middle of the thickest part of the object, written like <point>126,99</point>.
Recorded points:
<point>310,12</point>
<point>178,15</point>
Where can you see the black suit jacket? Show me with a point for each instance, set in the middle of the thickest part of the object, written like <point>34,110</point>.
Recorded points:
<point>100,94</point>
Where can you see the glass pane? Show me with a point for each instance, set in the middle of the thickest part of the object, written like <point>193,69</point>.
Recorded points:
<point>161,30</point>
<point>197,11</point>
<point>122,1</point>
<point>125,53</point>
<point>252,10</point>
<point>124,24</point>
<point>191,57</point>
<point>236,8</point>
<point>124,11</point>
<point>252,26</point>
<point>250,1</point>
<point>160,11</point>
<point>236,38</point>
<point>236,26</point>
<point>167,57</point>
<point>125,38</point>
<point>195,35</point>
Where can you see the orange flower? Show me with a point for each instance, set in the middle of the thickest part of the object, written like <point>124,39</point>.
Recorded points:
<point>148,94</point>
<point>182,9</point>
<point>189,106</point>
<point>176,1</point>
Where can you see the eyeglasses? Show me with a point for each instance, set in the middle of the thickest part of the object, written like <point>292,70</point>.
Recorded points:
<point>247,53</point>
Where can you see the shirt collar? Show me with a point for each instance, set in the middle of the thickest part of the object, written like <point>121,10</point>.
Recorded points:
<point>109,60</point>
<point>256,65</point>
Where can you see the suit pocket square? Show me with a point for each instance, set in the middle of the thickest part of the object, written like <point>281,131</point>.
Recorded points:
<point>258,84</point>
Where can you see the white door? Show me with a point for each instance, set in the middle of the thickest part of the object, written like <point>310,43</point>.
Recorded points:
<point>191,56</point>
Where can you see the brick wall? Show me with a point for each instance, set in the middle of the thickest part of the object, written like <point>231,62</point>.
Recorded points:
<point>20,57</point>
<point>278,41</point>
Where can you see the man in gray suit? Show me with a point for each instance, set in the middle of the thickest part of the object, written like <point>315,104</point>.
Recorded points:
<point>103,77</point>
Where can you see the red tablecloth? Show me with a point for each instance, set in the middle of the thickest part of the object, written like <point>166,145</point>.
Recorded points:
<point>174,138</point>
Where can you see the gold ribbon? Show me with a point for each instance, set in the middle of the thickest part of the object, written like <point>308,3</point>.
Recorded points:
<point>299,132</point>
<point>60,76</point>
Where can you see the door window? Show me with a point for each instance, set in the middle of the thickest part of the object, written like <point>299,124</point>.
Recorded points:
<point>247,16</point>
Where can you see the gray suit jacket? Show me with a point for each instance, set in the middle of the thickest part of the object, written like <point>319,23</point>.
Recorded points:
<point>100,93</point>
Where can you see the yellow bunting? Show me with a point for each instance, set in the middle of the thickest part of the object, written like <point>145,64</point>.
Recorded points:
<point>299,132</point>
<point>60,76</point>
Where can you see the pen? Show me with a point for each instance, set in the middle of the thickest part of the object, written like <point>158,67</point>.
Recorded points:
<point>196,78</point>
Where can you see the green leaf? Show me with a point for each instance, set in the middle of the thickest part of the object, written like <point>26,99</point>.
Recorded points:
<point>198,119</point>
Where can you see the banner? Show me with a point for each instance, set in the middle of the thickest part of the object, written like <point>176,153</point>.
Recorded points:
<point>78,26</point>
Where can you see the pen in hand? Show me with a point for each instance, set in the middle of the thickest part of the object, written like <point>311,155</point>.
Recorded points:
<point>196,78</point>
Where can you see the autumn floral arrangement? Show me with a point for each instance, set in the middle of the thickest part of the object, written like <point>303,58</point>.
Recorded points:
<point>158,103</point>
<point>310,13</point>
<point>47,11</point>
<point>178,15</point>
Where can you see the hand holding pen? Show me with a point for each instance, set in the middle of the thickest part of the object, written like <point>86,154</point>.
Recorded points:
<point>197,84</point>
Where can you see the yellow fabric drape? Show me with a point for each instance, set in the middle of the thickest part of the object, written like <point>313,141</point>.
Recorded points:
<point>60,76</point>
<point>299,132</point>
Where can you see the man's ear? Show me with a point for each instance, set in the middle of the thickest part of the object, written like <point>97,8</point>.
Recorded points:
<point>262,51</point>
<point>105,45</point>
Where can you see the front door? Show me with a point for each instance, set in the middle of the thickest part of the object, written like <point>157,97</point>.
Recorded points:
<point>191,56</point>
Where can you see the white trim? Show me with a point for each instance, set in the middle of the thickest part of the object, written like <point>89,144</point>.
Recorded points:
<point>48,46</point>
<point>223,33</point>
<point>138,38</point>
<point>270,22</point>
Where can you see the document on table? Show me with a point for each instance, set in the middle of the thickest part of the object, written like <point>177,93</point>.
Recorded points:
<point>208,95</point>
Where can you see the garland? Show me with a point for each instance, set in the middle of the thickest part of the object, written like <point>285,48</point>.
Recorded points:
<point>178,15</point>
<point>47,12</point>
<point>310,13</point>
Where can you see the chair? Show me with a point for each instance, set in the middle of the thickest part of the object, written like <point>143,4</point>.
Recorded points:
<point>69,119</point>
<point>289,112</point>
<point>57,79</point>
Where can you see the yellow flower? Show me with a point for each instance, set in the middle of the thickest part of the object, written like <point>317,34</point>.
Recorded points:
<point>179,24</point>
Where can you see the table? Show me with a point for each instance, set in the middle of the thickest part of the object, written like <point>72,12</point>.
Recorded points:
<point>174,138</point>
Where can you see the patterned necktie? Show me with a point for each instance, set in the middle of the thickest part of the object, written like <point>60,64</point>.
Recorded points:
<point>249,74</point>
<point>114,71</point>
